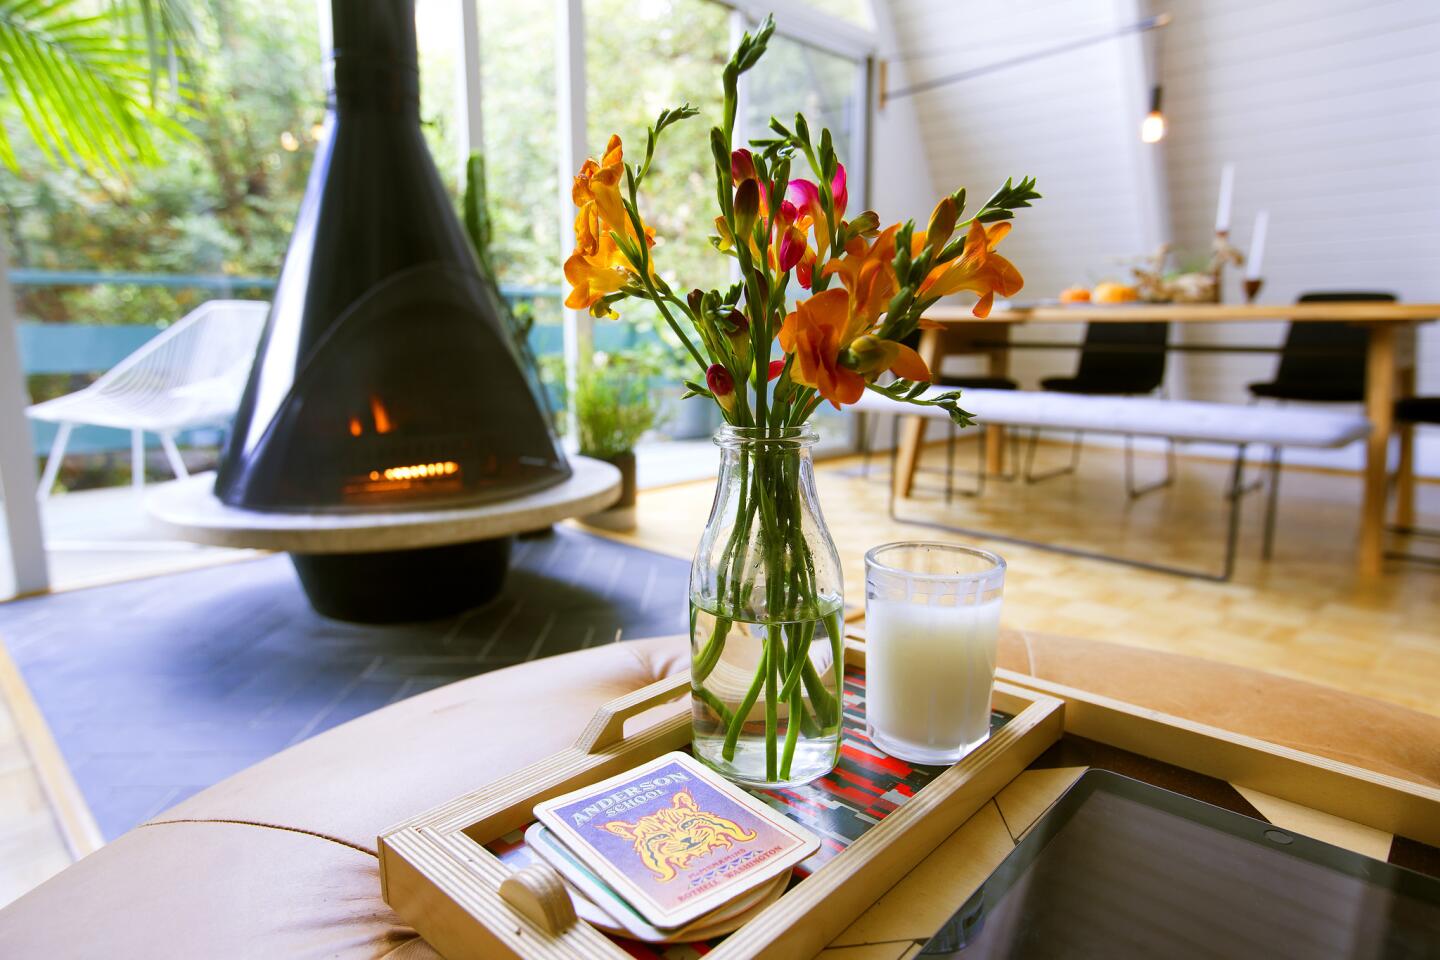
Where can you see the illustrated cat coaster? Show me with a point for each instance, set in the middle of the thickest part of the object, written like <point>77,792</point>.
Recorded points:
<point>674,839</point>
<point>602,907</point>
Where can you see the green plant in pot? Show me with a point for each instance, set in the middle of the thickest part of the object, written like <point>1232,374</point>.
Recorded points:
<point>614,407</point>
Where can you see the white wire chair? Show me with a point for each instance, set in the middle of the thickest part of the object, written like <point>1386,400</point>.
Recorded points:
<point>191,375</point>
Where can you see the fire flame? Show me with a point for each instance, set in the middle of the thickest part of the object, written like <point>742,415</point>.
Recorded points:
<point>380,415</point>
<point>419,471</point>
<point>355,428</point>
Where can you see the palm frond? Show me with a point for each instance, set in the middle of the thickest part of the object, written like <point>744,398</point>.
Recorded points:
<point>80,83</point>
<point>170,29</point>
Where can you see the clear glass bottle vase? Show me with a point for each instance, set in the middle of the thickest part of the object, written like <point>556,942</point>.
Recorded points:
<point>766,617</point>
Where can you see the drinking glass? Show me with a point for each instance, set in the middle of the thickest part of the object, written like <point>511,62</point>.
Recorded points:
<point>932,624</point>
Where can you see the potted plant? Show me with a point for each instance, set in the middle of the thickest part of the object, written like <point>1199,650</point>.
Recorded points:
<point>614,407</point>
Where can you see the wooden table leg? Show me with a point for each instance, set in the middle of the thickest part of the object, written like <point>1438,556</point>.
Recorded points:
<point>1380,409</point>
<point>1405,468</point>
<point>912,431</point>
<point>999,366</point>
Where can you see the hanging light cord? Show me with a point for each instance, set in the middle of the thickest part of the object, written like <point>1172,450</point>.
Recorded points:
<point>1139,26</point>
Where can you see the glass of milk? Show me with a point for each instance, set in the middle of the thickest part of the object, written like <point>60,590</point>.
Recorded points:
<point>932,623</point>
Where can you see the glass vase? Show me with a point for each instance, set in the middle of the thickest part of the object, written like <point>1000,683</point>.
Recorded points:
<point>766,614</point>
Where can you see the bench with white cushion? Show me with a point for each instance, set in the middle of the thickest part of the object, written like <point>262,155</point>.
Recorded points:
<point>1189,420</point>
<point>1192,420</point>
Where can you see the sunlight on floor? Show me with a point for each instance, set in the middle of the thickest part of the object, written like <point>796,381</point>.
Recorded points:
<point>1303,615</point>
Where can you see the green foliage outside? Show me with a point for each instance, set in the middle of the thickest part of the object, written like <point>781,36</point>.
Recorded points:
<point>614,404</point>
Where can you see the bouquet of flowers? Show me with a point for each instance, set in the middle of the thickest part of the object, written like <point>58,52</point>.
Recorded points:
<point>765,590</point>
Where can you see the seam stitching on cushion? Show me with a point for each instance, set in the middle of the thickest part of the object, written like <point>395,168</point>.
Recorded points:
<point>268,826</point>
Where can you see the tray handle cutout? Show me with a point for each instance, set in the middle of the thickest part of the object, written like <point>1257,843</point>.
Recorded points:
<point>607,727</point>
<point>538,894</point>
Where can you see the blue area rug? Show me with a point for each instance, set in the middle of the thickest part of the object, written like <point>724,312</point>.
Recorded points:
<point>158,688</point>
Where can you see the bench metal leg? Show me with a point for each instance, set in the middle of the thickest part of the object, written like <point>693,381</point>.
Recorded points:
<point>1272,503</point>
<point>1235,492</point>
<point>1032,477</point>
<point>52,462</point>
<point>980,473</point>
<point>950,462</point>
<point>864,427</point>
<point>1135,492</point>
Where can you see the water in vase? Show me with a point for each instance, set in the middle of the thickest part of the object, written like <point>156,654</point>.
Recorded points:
<point>781,678</point>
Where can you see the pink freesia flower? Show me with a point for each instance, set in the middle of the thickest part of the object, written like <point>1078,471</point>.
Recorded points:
<point>805,194</point>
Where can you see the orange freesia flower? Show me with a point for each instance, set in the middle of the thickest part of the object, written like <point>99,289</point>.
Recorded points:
<point>595,276</point>
<point>835,361</point>
<point>597,193</point>
<point>870,354</point>
<point>813,333</point>
<point>978,269</point>
<point>868,273</point>
<point>598,267</point>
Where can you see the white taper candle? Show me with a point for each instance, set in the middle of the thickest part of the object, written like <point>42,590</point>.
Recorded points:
<point>1256,258</point>
<point>1227,194</point>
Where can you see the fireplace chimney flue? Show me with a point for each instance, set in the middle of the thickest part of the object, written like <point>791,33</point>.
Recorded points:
<point>388,377</point>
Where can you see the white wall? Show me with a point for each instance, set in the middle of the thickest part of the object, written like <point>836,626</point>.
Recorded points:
<point>1065,120</point>
<point>901,185</point>
<point>1329,108</point>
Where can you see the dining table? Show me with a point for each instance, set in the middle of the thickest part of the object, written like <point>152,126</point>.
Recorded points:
<point>1389,374</point>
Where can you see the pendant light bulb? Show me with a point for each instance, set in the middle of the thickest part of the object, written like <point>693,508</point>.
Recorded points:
<point>1152,128</point>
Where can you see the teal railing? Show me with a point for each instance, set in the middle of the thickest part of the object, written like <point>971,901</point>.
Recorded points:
<point>80,348</point>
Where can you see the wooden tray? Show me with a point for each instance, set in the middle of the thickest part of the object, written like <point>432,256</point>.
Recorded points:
<point>436,872</point>
<point>438,875</point>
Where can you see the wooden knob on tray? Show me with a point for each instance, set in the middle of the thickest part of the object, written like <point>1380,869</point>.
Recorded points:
<point>538,893</point>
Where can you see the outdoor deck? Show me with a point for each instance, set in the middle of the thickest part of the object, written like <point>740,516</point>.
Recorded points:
<point>101,536</point>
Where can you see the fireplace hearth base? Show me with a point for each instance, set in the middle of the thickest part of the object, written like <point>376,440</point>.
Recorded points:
<point>387,566</point>
<point>404,586</point>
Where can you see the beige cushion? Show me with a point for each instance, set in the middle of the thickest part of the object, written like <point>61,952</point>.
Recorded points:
<point>278,861</point>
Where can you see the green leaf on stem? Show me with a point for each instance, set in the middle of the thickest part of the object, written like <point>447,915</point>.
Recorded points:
<point>913,392</point>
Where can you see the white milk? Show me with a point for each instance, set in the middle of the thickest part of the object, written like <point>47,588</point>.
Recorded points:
<point>928,675</point>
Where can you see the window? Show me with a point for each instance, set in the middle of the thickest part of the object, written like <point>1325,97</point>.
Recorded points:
<point>853,11</point>
<point>794,77</point>
<point>642,58</point>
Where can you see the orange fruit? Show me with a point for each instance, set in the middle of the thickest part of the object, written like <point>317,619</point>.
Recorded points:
<point>1115,293</point>
<point>1075,295</point>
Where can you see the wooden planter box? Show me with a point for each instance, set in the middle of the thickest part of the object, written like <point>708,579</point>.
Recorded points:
<point>438,875</point>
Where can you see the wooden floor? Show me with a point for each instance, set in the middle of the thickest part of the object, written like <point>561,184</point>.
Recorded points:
<point>1304,614</point>
<point>44,824</point>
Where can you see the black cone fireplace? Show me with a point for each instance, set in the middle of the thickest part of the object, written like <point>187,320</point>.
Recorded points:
<point>387,379</point>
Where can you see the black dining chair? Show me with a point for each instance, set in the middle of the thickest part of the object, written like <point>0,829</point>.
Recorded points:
<point>1116,359</point>
<point>1322,361</point>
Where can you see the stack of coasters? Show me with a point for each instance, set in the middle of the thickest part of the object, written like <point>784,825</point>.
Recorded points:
<point>669,851</point>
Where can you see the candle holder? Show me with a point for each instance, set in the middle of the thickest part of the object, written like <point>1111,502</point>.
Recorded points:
<point>1217,263</point>
<point>1252,288</point>
<point>1223,254</point>
<point>932,625</point>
